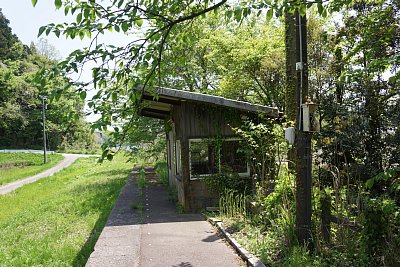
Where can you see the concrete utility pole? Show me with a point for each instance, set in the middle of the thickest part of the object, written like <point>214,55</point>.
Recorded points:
<point>296,95</point>
<point>44,126</point>
<point>304,166</point>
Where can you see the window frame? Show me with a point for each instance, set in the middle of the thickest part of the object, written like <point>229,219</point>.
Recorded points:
<point>178,165</point>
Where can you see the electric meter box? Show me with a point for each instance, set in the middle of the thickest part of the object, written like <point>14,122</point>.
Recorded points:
<point>290,135</point>
<point>309,115</point>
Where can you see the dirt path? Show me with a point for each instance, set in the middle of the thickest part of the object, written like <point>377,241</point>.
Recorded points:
<point>68,160</point>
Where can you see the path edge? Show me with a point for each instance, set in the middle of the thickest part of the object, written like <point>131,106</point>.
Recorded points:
<point>249,258</point>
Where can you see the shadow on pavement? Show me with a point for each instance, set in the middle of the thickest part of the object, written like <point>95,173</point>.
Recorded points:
<point>159,209</point>
<point>211,238</point>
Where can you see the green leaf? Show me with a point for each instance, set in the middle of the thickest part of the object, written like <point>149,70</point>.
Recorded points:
<point>66,10</point>
<point>114,97</point>
<point>41,30</point>
<point>392,79</point>
<point>58,3</point>
<point>302,9</point>
<point>124,26</point>
<point>324,13</point>
<point>238,14</point>
<point>34,2</point>
<point>88,34</point>
<point>81,35</point>
<point>82,95</point>
<point>229,14</point>
<point>86,13</point>
<point>104,154</point>
<point>370,183</point>
<point>79,18</point>
<point>139,22</point>
<point>270,13</point>
<point>320,8</point>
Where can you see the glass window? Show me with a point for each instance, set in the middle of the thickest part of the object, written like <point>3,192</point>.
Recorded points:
<point>206,157</point>
<point>232,157</point>
<point>202,158</point>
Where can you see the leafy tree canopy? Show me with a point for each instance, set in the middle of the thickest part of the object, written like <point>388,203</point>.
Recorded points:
<point>154,26</point>
<point>20,105</point>
<point>7,38</point>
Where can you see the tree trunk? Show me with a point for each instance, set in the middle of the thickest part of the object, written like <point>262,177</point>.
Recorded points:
<point>373,144</point>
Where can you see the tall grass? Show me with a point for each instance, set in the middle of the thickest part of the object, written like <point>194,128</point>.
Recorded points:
<point>161,168</point>
<point>267,229</point>
<point>56,221</point>
<point>232,204</point>
<point>141,180</point>
<point>16,166</point>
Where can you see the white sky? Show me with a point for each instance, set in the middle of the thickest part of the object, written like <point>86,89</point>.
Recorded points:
<point>25,21</point>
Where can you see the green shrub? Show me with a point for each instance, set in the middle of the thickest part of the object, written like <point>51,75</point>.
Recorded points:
<point>380,238</point>
<point>299,256</point>
<point>227,180</point>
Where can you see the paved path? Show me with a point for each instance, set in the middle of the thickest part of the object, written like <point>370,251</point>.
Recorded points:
<point>119,242</point>
<point>172,239</point>
<point>158,237</point>
<point>68,160</point>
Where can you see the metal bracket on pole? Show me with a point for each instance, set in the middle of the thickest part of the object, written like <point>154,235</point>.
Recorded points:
<point>299,66</point>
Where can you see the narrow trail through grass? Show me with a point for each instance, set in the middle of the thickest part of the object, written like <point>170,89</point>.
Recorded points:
<point>56,221</point>
<point>16,166</point>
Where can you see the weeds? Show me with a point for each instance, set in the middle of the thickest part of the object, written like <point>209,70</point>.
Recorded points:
<point>141,181</point>
<point>161,168</point>
<point>232,204</point>
<point>179,208</point>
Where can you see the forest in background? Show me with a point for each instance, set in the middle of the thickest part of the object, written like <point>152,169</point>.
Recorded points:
<point>21,123</point>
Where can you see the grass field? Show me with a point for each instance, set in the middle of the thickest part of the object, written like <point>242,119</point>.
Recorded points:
<point>15,166</point>
<point>56,221</point>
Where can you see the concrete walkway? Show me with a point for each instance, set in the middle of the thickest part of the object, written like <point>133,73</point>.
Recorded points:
<point>119,242</point>
<point>159,236</point>
<point>68,160</point>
